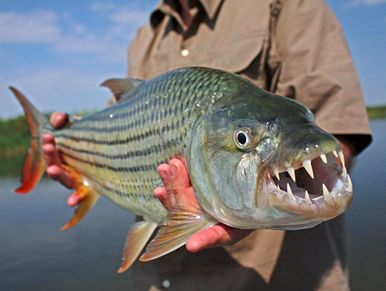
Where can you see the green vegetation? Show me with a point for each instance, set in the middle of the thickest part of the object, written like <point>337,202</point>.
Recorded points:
<point>14,140</point>
<point>377,112</point>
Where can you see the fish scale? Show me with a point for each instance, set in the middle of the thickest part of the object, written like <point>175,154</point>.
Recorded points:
<point>155,120</point>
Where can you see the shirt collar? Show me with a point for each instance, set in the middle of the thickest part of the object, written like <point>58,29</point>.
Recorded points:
<point>168,7</point>
<point>211,6</point>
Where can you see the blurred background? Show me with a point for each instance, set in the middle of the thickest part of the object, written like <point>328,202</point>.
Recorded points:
<point>58,52</point>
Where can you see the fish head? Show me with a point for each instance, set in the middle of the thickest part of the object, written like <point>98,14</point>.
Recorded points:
<point>260,161</point>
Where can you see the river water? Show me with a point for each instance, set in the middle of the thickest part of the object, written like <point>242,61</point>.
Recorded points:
<point>35,255</point>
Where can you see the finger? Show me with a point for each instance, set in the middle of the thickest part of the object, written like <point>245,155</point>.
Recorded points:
<point>166,195</point>
<point>58,119</point>
<point>162,195</point>
<point>180,184</point>
<point>206,238</point>
<point>163,172</point>
<point>216,235</point>
<point>179,174</point>
<point>51,156</point>
<point>48,139</point>
<point>57,173</point>
<point>174,175</point>
<point>74,200</point>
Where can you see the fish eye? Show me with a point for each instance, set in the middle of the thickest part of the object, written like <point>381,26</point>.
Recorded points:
<point>242,138</point>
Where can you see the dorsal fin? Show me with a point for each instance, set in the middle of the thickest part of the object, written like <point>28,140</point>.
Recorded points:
<point>120,86</point>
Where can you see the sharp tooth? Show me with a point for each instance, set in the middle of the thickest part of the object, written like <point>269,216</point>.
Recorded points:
<point>326,193</point>
<point>276,172</point>
<point>335,154</point>
<point>307,165</point>
<point>323,158</point>
<point>307,197</point>
<point>289,192</point>
<point>341,157</point>
<point>291,172</point>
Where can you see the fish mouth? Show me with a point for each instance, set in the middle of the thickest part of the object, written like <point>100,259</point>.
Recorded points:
<point>319,185</point>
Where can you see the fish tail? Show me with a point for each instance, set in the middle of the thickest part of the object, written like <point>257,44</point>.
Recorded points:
<point>34,165</point>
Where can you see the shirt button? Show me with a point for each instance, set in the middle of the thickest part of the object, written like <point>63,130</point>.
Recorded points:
<point>166,283</point>
<point>185,52</point>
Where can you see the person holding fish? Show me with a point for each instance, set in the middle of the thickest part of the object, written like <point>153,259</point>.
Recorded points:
<point>291,48</point>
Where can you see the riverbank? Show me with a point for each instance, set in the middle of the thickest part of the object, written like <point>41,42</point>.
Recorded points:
<point>14,140</point>
<point>377,112</point>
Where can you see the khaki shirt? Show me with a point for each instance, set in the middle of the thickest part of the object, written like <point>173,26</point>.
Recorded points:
<point>292,48</point>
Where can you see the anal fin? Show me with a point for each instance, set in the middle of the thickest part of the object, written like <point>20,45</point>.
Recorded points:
<point>84,193</point>
<point>136,240</point>
<point>87,197</point>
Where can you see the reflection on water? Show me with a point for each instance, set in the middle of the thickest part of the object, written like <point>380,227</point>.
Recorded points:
<point>35,255</point>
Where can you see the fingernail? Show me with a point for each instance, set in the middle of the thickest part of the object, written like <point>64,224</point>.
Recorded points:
<point>163,174</point>
<point>71,201</point>
<point>173,170</point>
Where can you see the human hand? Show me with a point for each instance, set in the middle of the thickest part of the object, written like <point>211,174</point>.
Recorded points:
<point>55,170</point>
<point>177,189</point>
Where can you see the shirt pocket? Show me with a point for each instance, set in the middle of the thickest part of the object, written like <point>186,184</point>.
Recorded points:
<point>237,54</point>
<point>245,55</point>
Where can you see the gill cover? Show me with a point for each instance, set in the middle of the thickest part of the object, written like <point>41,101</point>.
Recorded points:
<point>224,176</point>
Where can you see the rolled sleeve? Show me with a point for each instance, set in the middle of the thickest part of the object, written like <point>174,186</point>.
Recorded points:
<point>317,68</point>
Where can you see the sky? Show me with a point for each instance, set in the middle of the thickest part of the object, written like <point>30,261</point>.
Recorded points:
<point>58,52</point>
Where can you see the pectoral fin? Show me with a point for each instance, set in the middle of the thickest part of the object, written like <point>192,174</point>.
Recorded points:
<point>180,225</point>
<point>185,216</point>
<point>88,198</point>
<point>135,242</point>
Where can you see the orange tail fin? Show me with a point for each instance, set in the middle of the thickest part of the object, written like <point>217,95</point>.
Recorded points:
<point>34,164</point>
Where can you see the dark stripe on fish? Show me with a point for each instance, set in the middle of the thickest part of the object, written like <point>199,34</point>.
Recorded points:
<point>136,123</point>
<point>128,154</point>
<point>127,194</point>
<point>133,169</point>
<point>126,140</point>
<point>135,137</point>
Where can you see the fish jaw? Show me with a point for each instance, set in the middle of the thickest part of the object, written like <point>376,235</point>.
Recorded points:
<point>309,192</point>
<point>279,207</point>
<point>301,184</point>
